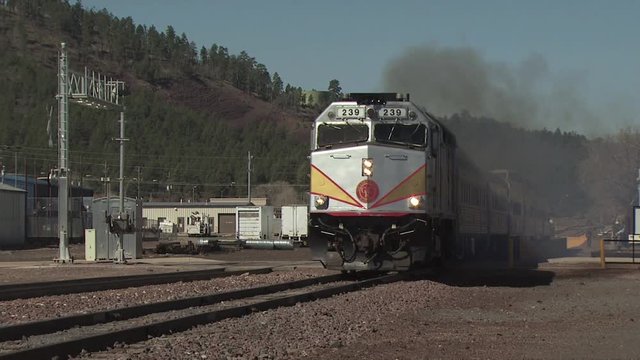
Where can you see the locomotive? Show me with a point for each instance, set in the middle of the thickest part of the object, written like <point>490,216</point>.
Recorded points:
<point>391,191</point>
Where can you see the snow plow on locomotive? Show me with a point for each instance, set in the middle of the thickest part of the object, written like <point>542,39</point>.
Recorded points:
<point>390,191</point>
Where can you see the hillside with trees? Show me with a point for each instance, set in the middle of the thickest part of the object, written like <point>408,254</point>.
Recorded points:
<point>193,114</point>
<point>594,179</point>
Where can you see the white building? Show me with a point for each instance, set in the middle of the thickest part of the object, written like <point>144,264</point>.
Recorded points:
<point>222,211</point>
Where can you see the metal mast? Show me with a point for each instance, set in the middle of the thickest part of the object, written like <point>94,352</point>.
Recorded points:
<point>93,90</point>
<point>121,139</point>
<point>249,177</point>
<point>636,213</point>
<point>120,257</point>
<point>63,155</point>
<point>638,187</point>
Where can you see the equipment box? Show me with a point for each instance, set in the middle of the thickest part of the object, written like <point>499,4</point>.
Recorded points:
<point>255,222</point>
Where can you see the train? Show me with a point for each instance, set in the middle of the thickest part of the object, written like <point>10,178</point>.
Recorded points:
<point>390,191</point>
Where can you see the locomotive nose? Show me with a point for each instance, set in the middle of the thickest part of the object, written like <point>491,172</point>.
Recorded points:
<point>367,177</point>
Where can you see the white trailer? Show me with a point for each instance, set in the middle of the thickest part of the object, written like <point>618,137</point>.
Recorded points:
<point>294,223</point>
<point>256,223</point>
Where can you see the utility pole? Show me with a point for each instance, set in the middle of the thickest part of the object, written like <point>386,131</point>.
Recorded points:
<point>138,178</point>
<point>636,213</point>
<point>104,180</point>
<point>63,156</point>
<point>106,185</point>
<point>121,140</point>
<point>15,169</point>
<point>249,177</point>
<point>169,186</point>
<point>638,187</point>
<point>119,256</point>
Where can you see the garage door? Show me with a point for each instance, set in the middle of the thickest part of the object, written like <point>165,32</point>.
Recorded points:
<point>226,223</point>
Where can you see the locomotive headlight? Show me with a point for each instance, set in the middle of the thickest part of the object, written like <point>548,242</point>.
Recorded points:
<point>416,202</point>
<point>367,167</point>
<point>321,202</point>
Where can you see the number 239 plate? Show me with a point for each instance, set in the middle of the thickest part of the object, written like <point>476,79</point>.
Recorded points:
<point>391,113</point>
<point>351,112</point>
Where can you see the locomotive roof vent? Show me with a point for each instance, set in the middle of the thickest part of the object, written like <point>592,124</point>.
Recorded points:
<point>375,98</point>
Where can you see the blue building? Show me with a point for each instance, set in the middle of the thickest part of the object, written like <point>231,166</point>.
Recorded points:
<point>42,208</point>
<point>12,219</point>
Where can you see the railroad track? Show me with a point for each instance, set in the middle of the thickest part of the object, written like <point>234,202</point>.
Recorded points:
<point>30,290</point>
<point>100,330</point>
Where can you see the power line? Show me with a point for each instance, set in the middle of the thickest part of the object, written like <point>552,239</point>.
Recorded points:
<point>46,150</point>
<point>84,162</point>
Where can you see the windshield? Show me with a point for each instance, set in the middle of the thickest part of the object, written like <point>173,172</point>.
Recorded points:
<point>342,133</point>
<point>403,134</point>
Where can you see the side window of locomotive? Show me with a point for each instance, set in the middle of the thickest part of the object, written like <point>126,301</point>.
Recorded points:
<point>434,140</point>
<point>474,196</point>
<point>411,134</point>
<point>498,203</point>
<point>334,134</point>
<point>517,208</point>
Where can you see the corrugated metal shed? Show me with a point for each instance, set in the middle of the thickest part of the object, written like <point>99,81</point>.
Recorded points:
<point>13,215</point>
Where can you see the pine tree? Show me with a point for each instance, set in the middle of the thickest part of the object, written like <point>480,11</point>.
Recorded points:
<point>276,86</point>
<point>335,90</point>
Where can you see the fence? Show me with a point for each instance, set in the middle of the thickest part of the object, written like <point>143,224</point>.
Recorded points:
<point>42,218</point>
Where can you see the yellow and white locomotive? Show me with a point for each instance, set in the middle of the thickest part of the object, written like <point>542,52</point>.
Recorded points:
<point>389,191</point>
<point>381,173</point>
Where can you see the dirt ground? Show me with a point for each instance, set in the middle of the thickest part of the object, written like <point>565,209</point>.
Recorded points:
<point>225,253</point>
<point>552,314</point>
<point>36,265</point>
<point>234,255</point>
<point>558,311</point>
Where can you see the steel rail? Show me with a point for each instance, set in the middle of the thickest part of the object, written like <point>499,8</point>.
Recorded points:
<point>140,333</point>
<point>30,290</point>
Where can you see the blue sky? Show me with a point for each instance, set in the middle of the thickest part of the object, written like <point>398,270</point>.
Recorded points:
<point>594,44</point>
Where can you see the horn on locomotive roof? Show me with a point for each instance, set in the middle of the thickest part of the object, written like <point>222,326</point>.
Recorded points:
<point>375,98</point>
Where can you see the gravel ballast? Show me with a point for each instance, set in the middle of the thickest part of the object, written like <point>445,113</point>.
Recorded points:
<point>590,317</point>
<point>24,310</point>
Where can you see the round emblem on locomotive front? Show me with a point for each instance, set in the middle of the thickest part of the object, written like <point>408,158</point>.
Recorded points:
<point>367,191</point>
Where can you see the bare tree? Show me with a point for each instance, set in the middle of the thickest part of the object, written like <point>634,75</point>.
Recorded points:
<point>609,176</point>
<point>279,193</point>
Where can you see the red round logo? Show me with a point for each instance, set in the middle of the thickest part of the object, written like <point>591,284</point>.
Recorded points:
<point>367,191</point>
